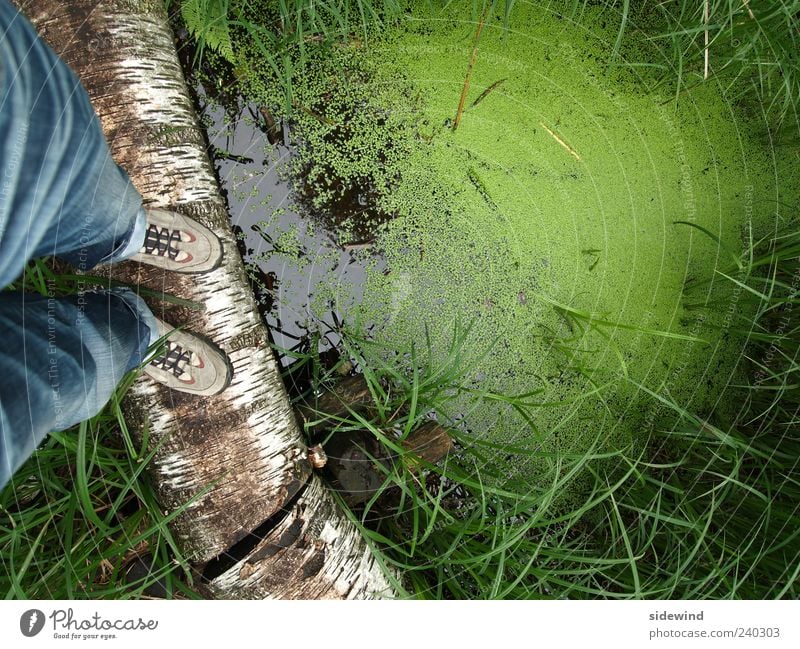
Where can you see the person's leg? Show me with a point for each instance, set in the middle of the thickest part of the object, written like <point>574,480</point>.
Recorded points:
<point>61,194</point>
<point>69,354</point>
<point>60,191</point>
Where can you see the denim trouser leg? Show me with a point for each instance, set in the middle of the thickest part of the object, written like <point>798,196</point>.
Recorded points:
<point>69,354</point>
<point>60,194</point>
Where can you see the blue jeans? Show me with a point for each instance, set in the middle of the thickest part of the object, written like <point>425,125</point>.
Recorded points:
<point>61,194</point>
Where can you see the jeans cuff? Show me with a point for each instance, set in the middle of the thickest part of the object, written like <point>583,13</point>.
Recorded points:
<point>134,242</point>
<point>148,332</point>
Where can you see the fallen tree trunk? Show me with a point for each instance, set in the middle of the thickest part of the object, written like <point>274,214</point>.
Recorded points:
<point>254,519</point>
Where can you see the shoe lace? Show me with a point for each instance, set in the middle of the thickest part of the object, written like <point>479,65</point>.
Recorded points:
<point>174,359</point>
<point>161,241</point>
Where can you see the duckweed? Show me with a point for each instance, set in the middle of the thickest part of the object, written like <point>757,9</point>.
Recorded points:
<point>563,220</point>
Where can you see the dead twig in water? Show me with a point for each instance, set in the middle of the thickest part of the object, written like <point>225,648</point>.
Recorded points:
<point>472,57</point>
<point>560,141</point>
<point>484,94</point>
<point>358,245</point>
<point>222,154</point>
<point>314,114</point>
<point>705,51</point>
<point>271,126</point>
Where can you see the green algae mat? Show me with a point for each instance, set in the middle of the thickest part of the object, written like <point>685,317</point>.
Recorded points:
<point>570,224</point>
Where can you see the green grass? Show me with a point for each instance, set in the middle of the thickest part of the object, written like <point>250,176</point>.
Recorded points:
<point>704,505</point>
<point>255,33</point>
<point>750,48</point>
<point>575,264</point>
<point>81,513</point>
<point>739,479</point>
<point>707,510</point>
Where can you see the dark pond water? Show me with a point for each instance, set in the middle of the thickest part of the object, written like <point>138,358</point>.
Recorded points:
<point>264,207</point>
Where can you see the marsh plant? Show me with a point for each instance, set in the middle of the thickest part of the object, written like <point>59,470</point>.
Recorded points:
<point>749,47</point>
<point>249,34</point>
<point>585,188</point>
<point>708,509</point>
<point>587,185</point>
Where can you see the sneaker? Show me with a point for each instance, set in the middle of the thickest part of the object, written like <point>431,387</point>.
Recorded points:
<point>178,243</point>
<point>189,364</point>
